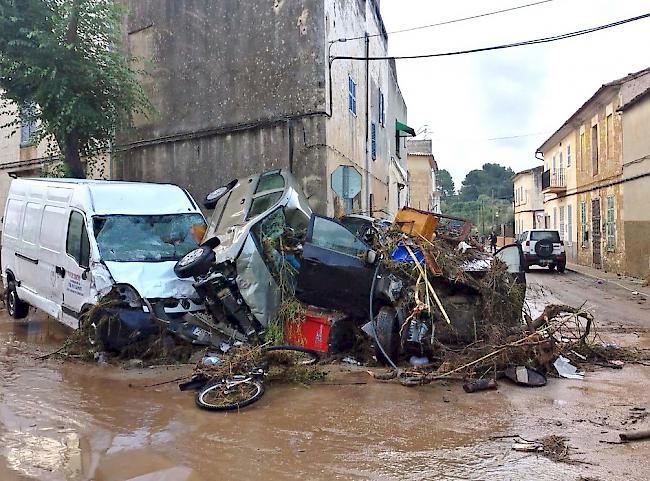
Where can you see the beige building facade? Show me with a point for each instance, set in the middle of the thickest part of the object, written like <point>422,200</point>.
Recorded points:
<point>583,182</point>
<point>422,170</point>
<point>636,177</point>
<point>528,201</point>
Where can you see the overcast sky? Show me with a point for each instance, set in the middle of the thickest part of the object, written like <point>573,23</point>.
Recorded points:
<point>525,91</point>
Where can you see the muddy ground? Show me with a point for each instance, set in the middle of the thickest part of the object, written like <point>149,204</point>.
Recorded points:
<point>68,421</point>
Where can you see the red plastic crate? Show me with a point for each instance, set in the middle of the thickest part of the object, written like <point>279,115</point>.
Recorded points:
<point>314,332</point>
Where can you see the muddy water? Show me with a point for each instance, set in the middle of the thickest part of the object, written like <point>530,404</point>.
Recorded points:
<point>68,421</point>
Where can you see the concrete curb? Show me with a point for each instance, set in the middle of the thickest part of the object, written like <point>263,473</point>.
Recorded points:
<point>604,279</point>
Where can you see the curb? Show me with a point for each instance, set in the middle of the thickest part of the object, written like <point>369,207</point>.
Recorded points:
<point>638,291</point>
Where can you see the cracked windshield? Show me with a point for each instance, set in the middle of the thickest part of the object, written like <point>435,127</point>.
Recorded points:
<point>148,238</point>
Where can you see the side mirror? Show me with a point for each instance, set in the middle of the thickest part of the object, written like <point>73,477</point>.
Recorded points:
<point>371,256</point>
<point>84,274</point>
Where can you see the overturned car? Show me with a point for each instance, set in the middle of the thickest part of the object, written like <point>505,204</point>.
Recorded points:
<point>264,245</point>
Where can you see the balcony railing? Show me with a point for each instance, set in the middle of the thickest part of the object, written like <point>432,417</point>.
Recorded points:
<point>554,181</point>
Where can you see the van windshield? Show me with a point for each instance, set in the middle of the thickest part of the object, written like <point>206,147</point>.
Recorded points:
<point>147,238</point>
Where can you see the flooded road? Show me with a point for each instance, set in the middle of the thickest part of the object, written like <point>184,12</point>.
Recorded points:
<point>73,421</point>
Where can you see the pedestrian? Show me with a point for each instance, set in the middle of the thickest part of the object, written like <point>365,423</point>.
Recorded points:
<point>493,242</point>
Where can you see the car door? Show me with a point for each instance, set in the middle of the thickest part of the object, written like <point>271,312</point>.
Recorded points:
<point>334,273</point>
<point>513,256</point>
<point>75,269</point>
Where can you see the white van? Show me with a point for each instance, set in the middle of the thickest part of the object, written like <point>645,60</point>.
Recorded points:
<point>66,243</point>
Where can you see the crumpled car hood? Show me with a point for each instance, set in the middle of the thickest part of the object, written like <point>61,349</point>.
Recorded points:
<point>152,279</point>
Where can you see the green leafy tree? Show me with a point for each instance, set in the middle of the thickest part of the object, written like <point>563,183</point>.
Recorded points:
<point>445,184</point>
<point>63,59</point>
<point>493,180</point>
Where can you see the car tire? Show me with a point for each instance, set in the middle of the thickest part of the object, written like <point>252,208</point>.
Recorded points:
<point>561,268</point>
<point>387,328</point>
<point>195,263</point>
<point>15,307</point>
<point>551,267</point>
<point>526,267</point>
<point>544,249</point>
<point>210,201</point>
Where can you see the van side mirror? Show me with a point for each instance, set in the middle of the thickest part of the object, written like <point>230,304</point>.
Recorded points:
<point>84,274</point>
<point>371,256</point>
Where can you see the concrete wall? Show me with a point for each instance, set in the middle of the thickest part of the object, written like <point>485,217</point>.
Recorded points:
<point>239,87</point>
<point>244,86</point>
<point>636,170</point>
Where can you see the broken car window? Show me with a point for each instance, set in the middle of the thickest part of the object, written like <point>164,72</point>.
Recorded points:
<point>265,202</point>
<point>145,238</point>
<point>280,244</point>
<point>331,235</point>
<point>270,181</point>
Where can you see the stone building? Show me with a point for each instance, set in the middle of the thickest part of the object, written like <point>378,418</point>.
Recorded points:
<point>422,171</point>
<point>528,201</point>
<point>583,181</point>
<point>242,87</point>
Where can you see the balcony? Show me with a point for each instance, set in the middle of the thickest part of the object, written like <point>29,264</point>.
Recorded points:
<point>553,182</point>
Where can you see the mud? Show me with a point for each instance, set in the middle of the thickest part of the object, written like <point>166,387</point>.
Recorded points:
<point>71,421</point>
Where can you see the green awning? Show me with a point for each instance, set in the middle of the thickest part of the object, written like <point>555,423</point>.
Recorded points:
<point>400,127</point>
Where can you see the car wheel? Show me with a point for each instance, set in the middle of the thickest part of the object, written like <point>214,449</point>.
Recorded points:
<point>551,267</point>
<point>195,262</point>
<point>210,201</point>
<point>15,307</point>
<point>387,327</point>
<point>561,268</point>
<point>526,267</point>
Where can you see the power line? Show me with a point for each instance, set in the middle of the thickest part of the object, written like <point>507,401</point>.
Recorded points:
<point>504,46</point>
<point>447,22</point>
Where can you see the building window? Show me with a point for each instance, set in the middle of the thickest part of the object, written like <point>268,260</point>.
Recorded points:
<point>555,218</point>
<point>352,95</point>
<point>569,224</point>
<point>583,224</point>
<point>594,149</point>
<point>582,151</point>
<point>568,155</point>
<point>373,140</point>
<point>610,226</point>
<point>382,110</point>
<point>610,137</point>
<point>27,124</point>
<point>561,222</point>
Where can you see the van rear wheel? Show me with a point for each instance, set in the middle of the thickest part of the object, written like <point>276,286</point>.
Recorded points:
<point>15,307</point>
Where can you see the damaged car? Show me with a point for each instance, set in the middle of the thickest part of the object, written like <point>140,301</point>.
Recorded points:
<point>264,245</point>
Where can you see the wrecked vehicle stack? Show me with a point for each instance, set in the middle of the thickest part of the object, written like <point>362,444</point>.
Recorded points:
<point>415,293</point>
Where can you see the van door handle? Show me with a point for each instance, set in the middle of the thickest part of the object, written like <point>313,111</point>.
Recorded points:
<point>28,259</point>
<point>60,271</point>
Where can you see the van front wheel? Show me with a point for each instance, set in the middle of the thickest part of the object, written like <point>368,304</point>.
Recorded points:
<point>15,307</point>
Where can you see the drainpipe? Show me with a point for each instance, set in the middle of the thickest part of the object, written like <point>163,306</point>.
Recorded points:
<point>367,161</point>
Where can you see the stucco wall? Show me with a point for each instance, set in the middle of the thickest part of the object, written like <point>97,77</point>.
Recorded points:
<point>636,165</point>
<point>420,184</point>
<point>528,201</point>
<point>348,135</point>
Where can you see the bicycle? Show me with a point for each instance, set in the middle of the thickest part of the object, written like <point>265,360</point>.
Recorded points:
<point>237,391</point>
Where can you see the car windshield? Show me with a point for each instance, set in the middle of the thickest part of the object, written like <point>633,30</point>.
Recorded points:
<point>147,238</point>
<point>539,235</point>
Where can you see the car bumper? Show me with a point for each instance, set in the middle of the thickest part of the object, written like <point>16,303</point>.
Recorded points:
<point>559,259</point>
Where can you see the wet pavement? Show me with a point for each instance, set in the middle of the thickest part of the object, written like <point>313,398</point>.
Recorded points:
<point>71,421</point>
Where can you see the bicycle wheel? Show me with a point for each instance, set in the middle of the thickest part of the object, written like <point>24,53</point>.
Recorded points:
<point>229,394</point>
<point>292,355</point>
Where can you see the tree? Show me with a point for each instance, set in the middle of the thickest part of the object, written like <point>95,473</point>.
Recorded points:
<point>445,184</point>
<point>493,180</point>
<point>64,60</point>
